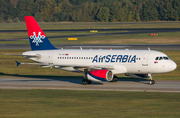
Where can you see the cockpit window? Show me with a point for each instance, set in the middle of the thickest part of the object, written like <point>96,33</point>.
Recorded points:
<point>162,58</point>
<point>166,58</point>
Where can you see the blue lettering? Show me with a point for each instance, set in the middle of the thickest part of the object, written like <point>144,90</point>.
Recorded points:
<point>107,58</point>
<point>125,58</point>
<point>129,58</point>
<point>113,58</point>
<point>119,57</point>
<point>95,58</point>
<point>101,58</point>
<point>133,59</point>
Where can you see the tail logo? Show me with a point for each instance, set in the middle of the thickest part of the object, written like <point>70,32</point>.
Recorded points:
<point>37,40</point>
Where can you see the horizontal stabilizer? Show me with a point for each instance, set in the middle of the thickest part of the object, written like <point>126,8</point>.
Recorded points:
<point>17,63</point>
<point>14,54</point>
<point>29,56</point>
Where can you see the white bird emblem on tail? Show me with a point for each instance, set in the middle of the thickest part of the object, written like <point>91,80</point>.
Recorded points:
<point>37,40</point>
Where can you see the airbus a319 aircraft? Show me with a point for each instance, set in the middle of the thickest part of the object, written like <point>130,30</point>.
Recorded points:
<point>97,65</point>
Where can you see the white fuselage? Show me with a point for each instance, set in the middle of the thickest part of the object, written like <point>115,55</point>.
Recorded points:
<point>122,61</point>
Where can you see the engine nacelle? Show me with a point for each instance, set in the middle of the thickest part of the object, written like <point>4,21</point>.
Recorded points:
<point>99,75</point>
<point>138,75</point>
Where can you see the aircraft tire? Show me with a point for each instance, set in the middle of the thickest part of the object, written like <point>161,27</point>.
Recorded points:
<point>84,82</point>
<point>115,79</point>
<point>152,82</point>
<point>89,82</point>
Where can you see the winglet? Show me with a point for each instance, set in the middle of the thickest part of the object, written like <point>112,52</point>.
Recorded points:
<point>18,63</point>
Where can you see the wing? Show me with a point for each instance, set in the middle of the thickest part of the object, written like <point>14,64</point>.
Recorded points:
<point>78,67</point>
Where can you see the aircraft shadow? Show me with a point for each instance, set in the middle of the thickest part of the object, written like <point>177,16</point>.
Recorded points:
<point>138,80</point>
<point>71,79</point>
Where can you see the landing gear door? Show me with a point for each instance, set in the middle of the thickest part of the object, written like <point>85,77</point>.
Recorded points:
<point>51,58</point>
<point>145,59</point>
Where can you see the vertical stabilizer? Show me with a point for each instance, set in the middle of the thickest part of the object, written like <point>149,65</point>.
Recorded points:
<point>37,38</point>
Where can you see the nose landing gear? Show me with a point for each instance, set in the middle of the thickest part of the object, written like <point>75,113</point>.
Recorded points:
<point>151,82</point>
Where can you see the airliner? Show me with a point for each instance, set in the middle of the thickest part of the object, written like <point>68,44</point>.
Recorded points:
<point>97,65</point>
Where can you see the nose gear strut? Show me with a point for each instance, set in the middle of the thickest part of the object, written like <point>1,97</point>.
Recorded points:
<point>151,82</point>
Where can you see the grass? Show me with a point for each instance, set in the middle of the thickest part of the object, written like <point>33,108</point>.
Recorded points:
<point>91,25</point>
<point>16,35</point>
<point>80,104</point>
<point>8,68</point>
<point>162,38</point>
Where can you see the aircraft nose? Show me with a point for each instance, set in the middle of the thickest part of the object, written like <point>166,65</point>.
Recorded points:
<point>172,65</point>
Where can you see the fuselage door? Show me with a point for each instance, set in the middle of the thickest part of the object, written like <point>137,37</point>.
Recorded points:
<point>51,58</point>
<point>145,59</point>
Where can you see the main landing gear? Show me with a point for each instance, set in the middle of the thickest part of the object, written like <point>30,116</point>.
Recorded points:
<point>151,82</point>
<point>115,79</point>
<point>85,81</point>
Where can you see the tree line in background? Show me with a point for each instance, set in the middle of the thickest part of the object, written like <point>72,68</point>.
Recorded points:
<point>90,10</point>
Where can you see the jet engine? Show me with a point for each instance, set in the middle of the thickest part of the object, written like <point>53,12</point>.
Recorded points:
<point>99,75</point>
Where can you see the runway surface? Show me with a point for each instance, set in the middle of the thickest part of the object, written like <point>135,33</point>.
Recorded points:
<point>100,46</point>
<point>75,84</point>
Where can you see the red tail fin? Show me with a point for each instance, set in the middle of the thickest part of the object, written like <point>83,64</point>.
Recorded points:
<point>32,26</point>
<point>37,38</point>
